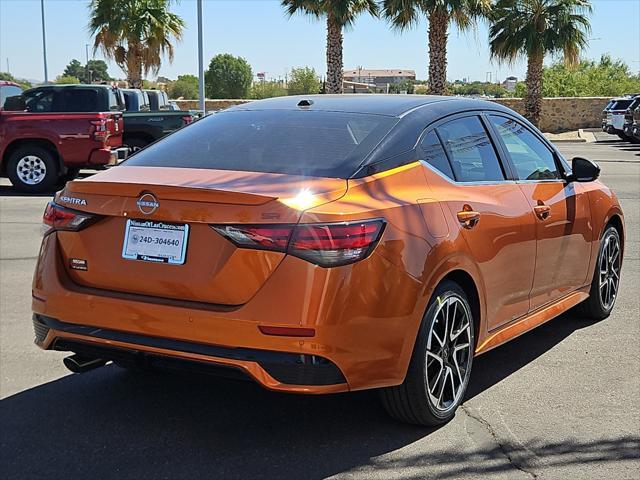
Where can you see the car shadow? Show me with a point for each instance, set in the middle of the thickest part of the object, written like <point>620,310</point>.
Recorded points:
<point>111,422</point>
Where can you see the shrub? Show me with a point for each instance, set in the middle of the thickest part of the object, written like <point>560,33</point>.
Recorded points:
<point>228,77</point>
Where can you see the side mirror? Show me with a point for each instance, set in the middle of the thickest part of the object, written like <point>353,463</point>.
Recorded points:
<point>583,170</point>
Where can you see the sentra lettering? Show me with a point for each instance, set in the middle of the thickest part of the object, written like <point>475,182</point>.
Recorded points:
<point>73,200</point>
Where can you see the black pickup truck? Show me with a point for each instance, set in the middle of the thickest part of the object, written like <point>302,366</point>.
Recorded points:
<point>142,126</point>
<point>145,122</point>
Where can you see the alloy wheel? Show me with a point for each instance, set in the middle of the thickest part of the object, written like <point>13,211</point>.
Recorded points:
<point>449,353</point>
<point>609,271</point>
<point>31,170</point>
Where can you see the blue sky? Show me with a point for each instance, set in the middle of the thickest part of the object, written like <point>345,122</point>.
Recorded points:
<point>259,31</point>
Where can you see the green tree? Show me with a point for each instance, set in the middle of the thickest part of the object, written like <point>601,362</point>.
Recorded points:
<point>590,79</point>
<point>339,14</point>
<point>135,34</point>
<point>186,86</point>
<point>67,80</point>
<point>534,28</point>
<point>74,69</point>
<point>228,77</point>
<point>303,81</point>
<point>262,90</point>
<point>10,78</point>
<point>404,86</point>
<point>404,14</point>
<point>97,71</point>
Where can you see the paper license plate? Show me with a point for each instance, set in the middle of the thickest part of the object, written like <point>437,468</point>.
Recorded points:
<point>155,242</point>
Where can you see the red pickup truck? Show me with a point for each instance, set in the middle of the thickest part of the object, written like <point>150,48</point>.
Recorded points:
<point>40,147</point>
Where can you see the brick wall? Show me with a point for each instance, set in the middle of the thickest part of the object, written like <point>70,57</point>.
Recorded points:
<point>558,114</point>
<point>564,113</point>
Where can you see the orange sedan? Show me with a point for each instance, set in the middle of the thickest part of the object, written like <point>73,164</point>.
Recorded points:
<point>329,243</point>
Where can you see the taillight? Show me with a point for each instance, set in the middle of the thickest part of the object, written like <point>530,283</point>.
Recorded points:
<point>57,217</point>
<point>325,244</point>
<point>99,130</point>
<point>187,119</point>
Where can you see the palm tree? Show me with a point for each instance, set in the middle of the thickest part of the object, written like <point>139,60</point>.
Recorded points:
<point>339,14</point>
<point>440,13</point>
<point>135,33</point>
<point>533,28</point>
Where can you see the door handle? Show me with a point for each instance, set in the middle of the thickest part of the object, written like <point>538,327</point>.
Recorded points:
<point>542,211</point>
<point>467,217</point>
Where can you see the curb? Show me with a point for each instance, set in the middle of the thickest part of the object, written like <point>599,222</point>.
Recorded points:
<point>588,137</point>
<point>573,140</point>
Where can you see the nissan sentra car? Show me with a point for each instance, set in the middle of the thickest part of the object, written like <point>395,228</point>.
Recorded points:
<point>325,244</point>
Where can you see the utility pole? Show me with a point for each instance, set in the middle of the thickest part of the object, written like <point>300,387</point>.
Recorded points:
<point>202,105</point>
<point>87,71</point>
<point>8,70</point>
<point>44,43</point>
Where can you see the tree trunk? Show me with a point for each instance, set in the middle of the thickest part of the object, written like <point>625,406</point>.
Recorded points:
<point>533,98</point>
<point>334,56</point>
<point>134,66</point>
<point>438,33</point>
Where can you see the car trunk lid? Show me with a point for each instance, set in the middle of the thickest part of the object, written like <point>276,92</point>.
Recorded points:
<point>214,270</point>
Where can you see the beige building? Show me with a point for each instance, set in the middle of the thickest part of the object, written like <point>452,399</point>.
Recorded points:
<point>378,78</point>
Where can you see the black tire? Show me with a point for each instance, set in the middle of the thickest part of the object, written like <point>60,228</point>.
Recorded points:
<point>32,163</point>
<point>594,308</point>
<point>411,401</point>
<point>72,174</point>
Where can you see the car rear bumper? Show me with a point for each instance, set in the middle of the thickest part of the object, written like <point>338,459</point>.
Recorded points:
<point>360,340</point>
<point>103,156</point>
<point>270,367</point>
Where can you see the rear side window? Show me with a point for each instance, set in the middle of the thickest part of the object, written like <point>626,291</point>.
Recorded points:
<point>532,159</point>
<point>621,105</point>
<point>76,100</point>
<point>434,154</point>
<point>40,101</point>
<point>473,157</point>
<point>114,100</point>
<point>297,142</point>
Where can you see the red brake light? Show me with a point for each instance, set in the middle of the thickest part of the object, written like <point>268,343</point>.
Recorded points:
<point>263,237</point>
<point>57,217</point>
<point>99,130</point>
<point>326,244</point>
<point>187,119</point>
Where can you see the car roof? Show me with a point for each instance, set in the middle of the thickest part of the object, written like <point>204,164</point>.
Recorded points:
<point>8,83</point>
<point>377,104</point>
<point>73,85</point>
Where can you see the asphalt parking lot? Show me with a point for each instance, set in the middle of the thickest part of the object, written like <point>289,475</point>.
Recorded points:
<point>561,402</point>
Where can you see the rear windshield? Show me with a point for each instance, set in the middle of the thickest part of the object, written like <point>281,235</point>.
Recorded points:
<point>621,105</point>
<point>296,142</point>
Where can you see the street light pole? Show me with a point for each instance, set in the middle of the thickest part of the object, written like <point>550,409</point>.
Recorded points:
<point>44,44</point>
<point>202,105</point>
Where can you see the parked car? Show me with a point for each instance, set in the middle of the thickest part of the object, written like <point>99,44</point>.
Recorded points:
<point>615,112</point>
<point>142,125</point>
<point>47,134</point>
<point>325,244</point>
<point>636,123</point>
<point>628,120</point>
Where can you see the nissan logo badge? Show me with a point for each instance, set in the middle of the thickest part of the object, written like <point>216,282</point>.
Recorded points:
<point>147,203</point>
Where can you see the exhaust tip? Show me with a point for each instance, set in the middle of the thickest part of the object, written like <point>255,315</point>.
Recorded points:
<point>79,364</point>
